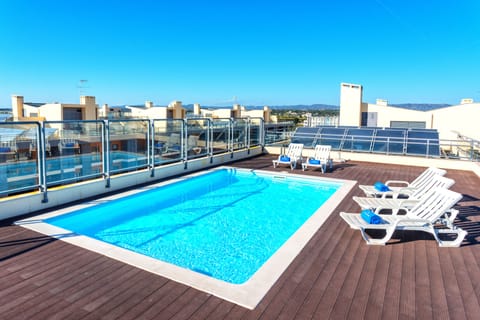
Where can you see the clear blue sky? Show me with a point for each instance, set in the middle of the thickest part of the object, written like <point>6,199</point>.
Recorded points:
<point>261,52</point>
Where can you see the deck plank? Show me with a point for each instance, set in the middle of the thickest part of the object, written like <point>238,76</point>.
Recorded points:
<point>336,275</point>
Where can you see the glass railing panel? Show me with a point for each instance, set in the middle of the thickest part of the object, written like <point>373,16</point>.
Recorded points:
<point>19,158</point>
<point>198,137</point>
<point>128,140</point>
<point>73,151</point>
<point>256,132</point>
<point>239,133</point>
<point>168,140</point>
<point>221,132</point>
<point>278,132</point>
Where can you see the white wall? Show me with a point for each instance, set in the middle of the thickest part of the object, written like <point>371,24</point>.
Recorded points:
<point>350,104</point>
<point>386,114</point>
<point>150,113</point>
<point>464,118</point>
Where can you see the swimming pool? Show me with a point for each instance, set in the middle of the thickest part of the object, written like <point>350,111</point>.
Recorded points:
<point>224,225</point>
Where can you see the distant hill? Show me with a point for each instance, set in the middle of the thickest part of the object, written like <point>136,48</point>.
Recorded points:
<point>421,106</point>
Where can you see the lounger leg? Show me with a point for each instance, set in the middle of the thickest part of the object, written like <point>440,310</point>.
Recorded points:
<point>453,243</point>
<point>379,241</point>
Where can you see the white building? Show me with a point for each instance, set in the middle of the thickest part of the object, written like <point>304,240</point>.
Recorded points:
<point>174,110</point>
<point>451,122</point>
<point>85,110</point>
<point>237,111</point>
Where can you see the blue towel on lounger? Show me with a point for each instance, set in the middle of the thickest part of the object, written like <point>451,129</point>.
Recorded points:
<point>314,161</point>
<point>284,158</point>
<point>380,186</point>
<point>370,217</point>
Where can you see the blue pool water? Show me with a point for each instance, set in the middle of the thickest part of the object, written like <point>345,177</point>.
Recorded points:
<point>224,224</point>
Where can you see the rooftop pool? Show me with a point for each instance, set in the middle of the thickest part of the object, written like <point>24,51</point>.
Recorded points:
<point>230,232</point>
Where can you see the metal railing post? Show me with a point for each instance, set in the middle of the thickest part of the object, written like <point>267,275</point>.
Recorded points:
<point>183,143</point>
<point>42,166</point>
<point>151,147</point>
<point>210,139</point>
<point>106,152</point>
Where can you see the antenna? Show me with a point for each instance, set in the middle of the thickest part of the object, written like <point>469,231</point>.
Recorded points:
<point>82,84</point>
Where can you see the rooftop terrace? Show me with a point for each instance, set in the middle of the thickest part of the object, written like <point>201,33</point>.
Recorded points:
<point>336,275</point>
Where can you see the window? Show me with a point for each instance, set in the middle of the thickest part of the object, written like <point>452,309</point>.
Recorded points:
<point>408,124</point>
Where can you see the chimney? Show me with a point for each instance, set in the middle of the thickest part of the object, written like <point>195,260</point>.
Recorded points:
<point>196,109</point>
<point>236,111</point>
<point>105,110</point>
<point>148,104</point>
<point>266,114</point>
<point>382,102</point>
<point>17,107</point>
<point>87,100</point>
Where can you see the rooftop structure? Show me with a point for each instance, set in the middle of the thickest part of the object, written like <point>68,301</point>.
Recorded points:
<point>30,111</point>
<point>237,111</point>
<point>449,121</point>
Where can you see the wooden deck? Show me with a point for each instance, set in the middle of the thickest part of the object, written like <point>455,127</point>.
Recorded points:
<point>335,276</point>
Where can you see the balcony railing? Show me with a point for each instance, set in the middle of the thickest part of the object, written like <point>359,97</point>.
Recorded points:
<point>42,155</point>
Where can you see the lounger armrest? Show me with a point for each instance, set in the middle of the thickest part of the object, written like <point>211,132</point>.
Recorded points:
<point>397,182</point>
<point>406,203</point>
<point>405,190</point>
<point>409,220</point>
<point>394,194</point>
<point>450,216</point>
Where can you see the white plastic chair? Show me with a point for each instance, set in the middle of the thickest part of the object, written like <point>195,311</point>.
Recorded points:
<point>291,156</point>
<point>321,158</point>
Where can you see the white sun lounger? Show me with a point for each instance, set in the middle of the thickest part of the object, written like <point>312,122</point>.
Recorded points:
<point>291,156</point>
<point>425,216</point>
<point>406,188</point>
<point>396,205</point>
<point>321,158</point>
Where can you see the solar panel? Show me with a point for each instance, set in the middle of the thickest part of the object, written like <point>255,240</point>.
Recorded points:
<point>305,135</point>
<point>389,141</point>
<point>332,136</point>
<point>423,142</point>
<point>358,139</point>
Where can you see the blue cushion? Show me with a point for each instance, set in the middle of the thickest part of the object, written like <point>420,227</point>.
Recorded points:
<point>69,145</point>
<point>284,158</point>
<point>158,144</point>
<point>380,186</point>
<point>314,161</point>
<point>5,149</point>
<point>370,217</point>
